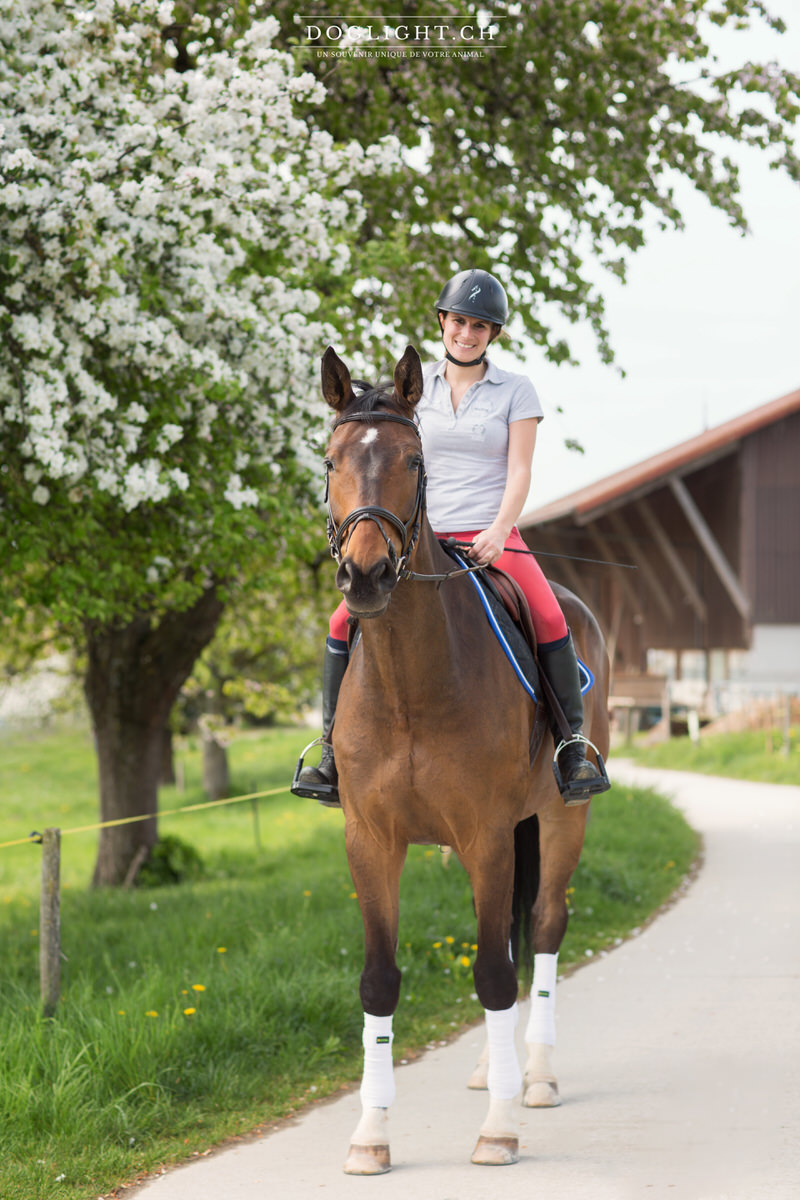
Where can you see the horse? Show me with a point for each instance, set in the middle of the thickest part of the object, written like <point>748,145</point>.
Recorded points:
<point>433,739</point>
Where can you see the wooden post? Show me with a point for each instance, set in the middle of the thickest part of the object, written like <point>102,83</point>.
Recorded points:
<point>256,825</point>
<point>50,922</point>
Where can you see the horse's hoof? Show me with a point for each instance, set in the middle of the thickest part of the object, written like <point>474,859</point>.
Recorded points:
<point>367,1160</point>
<point>478,1080</point>
<point>542,1093</point>
<point>496,1151</point>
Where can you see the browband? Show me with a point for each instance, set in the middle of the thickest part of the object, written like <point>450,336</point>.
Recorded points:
<point>378,416</point>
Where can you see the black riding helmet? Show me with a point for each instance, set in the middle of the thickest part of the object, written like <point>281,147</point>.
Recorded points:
<point>475,294</point>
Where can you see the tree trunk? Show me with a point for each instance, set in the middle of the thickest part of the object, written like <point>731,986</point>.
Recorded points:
<point>216,777</point>
<point>167,773</point>
<point>134,674</point>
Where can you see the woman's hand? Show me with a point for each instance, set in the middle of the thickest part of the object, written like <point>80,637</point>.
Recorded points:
<point>488,545</point>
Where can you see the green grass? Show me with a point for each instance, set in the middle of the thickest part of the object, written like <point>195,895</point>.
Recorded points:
<point>265,948</point>
<point>752,754</point>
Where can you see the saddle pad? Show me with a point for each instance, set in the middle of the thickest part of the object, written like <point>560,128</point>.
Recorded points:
<point>510,636</point>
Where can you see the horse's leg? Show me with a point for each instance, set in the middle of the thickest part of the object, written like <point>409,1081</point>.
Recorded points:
<point>492,879</point>
<point>560,844</point>
<point>540,1084</point>
<point>376,874</point>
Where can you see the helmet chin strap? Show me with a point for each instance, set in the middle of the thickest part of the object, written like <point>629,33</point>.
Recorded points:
<point>460,362</point>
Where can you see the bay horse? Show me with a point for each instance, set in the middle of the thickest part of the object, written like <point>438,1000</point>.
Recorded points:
<point>433,743</point>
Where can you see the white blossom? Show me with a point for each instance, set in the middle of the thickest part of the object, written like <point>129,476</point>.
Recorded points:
<point>136,338</point>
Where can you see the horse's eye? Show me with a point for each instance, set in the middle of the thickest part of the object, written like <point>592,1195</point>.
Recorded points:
<point>328,464</point>
<point>415,462</point>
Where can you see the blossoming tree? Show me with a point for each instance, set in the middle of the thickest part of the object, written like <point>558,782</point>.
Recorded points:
<point>164,235</point>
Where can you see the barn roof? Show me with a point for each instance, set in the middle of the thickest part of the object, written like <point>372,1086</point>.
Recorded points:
<point>645,476</point>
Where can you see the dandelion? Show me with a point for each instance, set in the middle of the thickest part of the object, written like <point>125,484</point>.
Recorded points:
<point>189,1012</point>
<point>354,895</point>
<point>151,1013</point>
<point>670,865</point>
<point>34,933</point>
<point>465,962</point>
<point>449,940</point>
<point>306,894</point>
<point>198,987</point>
<point>222,949</point>
<point>121,1012</point>
<point>437,945</point>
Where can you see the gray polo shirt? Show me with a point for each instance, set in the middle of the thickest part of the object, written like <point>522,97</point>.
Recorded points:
<point>466,452</point>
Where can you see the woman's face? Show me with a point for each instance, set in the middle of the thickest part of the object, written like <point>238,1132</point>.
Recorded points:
<point>466,338</point>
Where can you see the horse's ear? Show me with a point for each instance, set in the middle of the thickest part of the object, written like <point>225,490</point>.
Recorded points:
<point>336,386</point>
<point>408,381</point>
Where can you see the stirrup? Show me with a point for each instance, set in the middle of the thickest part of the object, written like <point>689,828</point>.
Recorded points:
<point>580,791</point>
<point>326,793</point>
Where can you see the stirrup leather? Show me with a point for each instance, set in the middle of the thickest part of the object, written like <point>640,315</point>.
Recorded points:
<point>326,793</point>
<point>580,791</point>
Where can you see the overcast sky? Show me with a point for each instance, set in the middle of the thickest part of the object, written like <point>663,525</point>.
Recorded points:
<point>706,327</point>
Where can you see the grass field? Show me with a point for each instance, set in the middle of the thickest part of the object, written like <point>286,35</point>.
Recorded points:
<point>755,754</point>
<point>196,1012</point>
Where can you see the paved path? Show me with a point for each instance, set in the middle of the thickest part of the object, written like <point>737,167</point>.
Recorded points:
<point>678,1055</point>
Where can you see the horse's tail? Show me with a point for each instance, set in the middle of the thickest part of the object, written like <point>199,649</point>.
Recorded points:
<point>526,885</point>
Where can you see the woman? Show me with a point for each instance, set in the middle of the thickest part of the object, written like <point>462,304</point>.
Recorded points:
<point>478,426</point>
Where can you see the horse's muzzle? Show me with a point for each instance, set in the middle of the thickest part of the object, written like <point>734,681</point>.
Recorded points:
<point>366,593</point>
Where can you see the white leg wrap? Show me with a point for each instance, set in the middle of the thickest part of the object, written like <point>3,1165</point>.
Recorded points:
<point>377,1083</point>
<point>542,1020</point>
<point>505,1078</point>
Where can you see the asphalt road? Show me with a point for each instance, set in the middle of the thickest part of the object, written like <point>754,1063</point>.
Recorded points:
<point>678,1055</point>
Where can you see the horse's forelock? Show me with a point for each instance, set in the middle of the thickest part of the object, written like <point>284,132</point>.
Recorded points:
<point>369,398</point>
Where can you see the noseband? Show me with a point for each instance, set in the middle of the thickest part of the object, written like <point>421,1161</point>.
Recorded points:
<point>408,530</point>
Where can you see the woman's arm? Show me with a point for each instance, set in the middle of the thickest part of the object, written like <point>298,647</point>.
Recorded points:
<point>488,545</point>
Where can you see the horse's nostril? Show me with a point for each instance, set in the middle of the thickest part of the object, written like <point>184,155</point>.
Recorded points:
<point>383,576</point>
<point>344,576</point>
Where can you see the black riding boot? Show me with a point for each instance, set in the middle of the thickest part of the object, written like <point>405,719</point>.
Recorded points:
<point>577,778</point>
<point>321,783</point>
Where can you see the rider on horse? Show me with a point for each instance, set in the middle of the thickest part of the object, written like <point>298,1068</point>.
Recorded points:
<point>478,426</point>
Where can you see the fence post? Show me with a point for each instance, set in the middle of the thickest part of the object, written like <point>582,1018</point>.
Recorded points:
<point>50,922</point>
<point>256,824</point>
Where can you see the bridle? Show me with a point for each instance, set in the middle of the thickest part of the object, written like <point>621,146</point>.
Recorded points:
<point>409,530</point>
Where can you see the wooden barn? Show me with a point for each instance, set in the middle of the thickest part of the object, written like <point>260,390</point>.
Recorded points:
<point>713,528</point>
